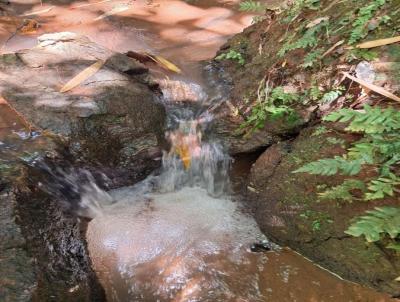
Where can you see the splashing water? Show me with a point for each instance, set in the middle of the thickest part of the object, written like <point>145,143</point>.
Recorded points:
<point>177,246</point>
<point>192,162</point>
<point>177,236</point>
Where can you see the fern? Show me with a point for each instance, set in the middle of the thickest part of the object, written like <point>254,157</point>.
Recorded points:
<point>232,55</point>
<point>332,95</point>
<point>311,58</point>
<point>308,40</point>
<point>343,191</point>
<point>380,146</point>
<point>332,166</point>
<point>381,220</point>
<point>372,120</point>
<point>270,104</point>
<point>382,186</point>
<point>365,14</point>
<point>252,6</point>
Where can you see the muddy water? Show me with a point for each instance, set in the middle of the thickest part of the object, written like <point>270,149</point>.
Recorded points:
<point>191,242</point>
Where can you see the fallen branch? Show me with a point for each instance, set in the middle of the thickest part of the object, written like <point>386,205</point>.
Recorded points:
<point>373,87</point>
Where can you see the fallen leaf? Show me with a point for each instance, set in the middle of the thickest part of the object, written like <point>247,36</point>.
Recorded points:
<point>82,76</point>
<point>373,87</point>
<point>43,11</point>
<point>380,42</point>
<point>317,21</point>
<point>164,63</point>
<point>29,26</point>
<point>117,9</point>
<point>184,154</point>
<point>89,4</point>
<point>397,279</point>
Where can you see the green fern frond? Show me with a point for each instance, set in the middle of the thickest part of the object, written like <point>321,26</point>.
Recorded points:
<point>332,166</point>
<point>343,191</point>
<point>252,6</point>
<point>360,24</point>
<point>308,40</point>
<point>381,220</point>
<point>381,187</point>
<point>372,120</point>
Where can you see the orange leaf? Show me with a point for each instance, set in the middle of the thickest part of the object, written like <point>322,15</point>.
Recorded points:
<point>184,154</point>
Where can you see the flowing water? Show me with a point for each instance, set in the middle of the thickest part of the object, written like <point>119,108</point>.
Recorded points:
<point>180,235</point>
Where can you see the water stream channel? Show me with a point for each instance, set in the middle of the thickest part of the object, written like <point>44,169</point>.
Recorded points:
<point>183,234</point>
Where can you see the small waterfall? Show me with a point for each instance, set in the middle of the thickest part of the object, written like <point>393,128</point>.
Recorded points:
<point>194,162</point>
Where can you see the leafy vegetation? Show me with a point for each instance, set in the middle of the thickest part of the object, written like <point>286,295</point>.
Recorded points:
<point>308,40</point>
<point>271,103</point>
<point>252,6</point>
<point>360,26</point>
<point>378,223</point>
<point>380,147</point>
<point>232,55</point>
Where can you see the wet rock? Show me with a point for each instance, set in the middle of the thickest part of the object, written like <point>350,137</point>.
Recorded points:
<point>265,165</point>
<point>113,118</point>
<point>17,277</point>
<point>287,208</point>
<point>55,240</point>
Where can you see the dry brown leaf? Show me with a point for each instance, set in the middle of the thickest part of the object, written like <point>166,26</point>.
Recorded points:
<point>43,11</point>
<point>380,42</point>
<point>82,76</point>
<point>373,87</point>
<point>117,9</point>
<point>164,63</point>
<point>317,21</point>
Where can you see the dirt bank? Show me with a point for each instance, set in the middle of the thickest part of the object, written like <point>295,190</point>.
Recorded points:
<point>274,53</point>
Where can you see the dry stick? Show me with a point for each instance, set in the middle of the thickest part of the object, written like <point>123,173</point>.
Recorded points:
<point>23,120</point>
<point>332,48</point>
<point>373,87</point>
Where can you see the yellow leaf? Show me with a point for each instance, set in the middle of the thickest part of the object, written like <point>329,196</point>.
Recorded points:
<point>374,88</point>
<point>377,43</point>
<point>164,63</point>
<point>82,76</point>
<point>184,154</point>
<point>29,27</point>
<point>397,279</point>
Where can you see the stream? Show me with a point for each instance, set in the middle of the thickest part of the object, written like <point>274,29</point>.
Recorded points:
<point>182,234</point>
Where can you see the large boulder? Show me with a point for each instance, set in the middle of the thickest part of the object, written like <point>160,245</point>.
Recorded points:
<point>288,209</point>
<point>113,118</point>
